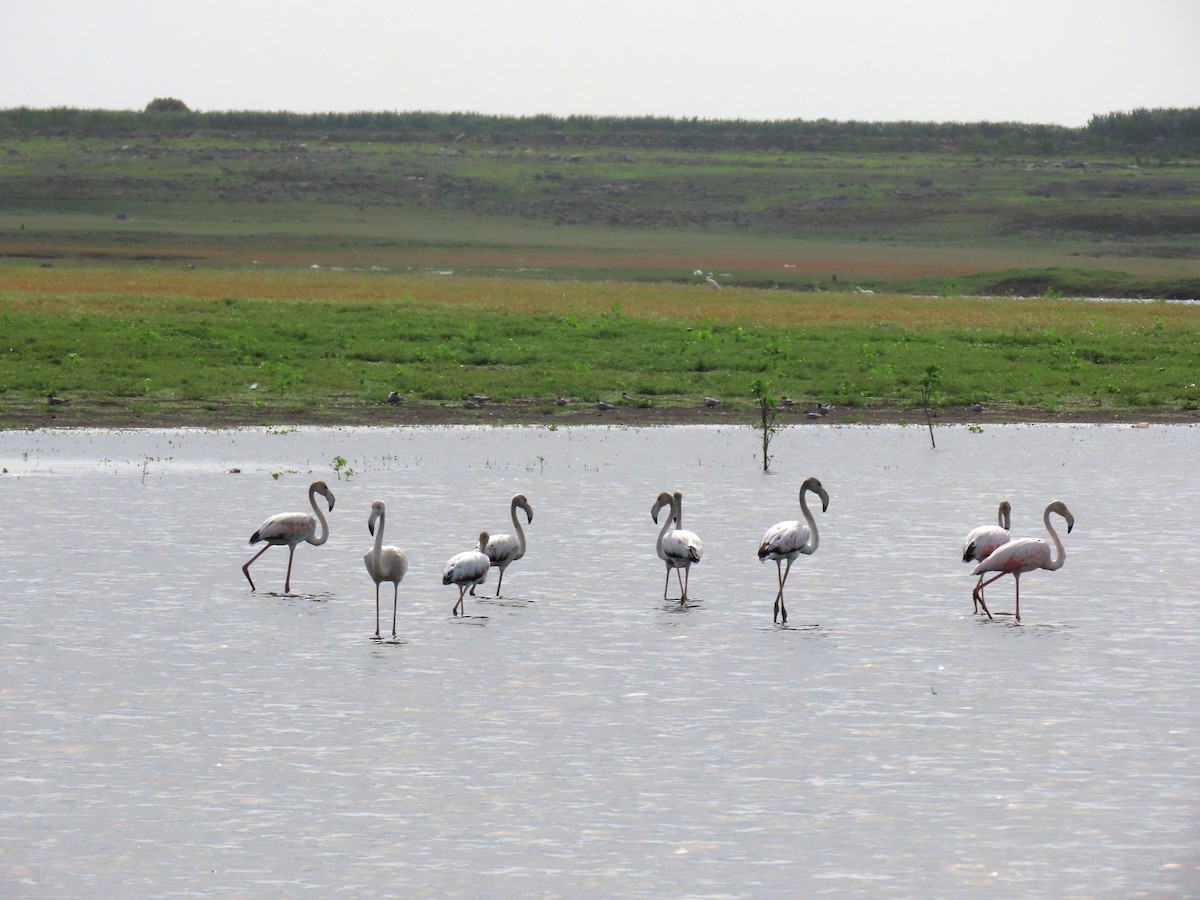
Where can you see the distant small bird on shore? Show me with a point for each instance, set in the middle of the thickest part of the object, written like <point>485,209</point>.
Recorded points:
<point>55,401</point>
<point>394,397</point>
<point>824,408</point>
<point>712,402</point>
<point>560,400</point>
<point>786,401</point>
<point>471,404</point>
<point>863,290</point>
<point>603,407</point>
<point>977,407</point>
<point>712,282</point>
<point>626,397</point>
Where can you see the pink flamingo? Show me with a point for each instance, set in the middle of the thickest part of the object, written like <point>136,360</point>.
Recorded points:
<point>292,529</point>
<point>505,549</point>
<point>787,540</point>
<point>467,569</point>
<point>679,548</point>
<point>384,563</point>
<point>981,541</point>
<point>1025,555</point>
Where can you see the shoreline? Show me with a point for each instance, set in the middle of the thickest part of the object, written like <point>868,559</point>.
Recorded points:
<point>108,414</point>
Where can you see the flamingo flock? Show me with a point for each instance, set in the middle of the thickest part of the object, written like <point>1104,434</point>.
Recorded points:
<point>990,547</point>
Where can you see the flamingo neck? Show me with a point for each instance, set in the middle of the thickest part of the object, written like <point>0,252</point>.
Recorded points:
<point>378,551</point>
<point>814,539</point>
<point>1060,552</point>
<point>662,533</point>
<point>520,533</point>
<point>324,535</point>
<point>677,508</point>
<point>1002,520</point>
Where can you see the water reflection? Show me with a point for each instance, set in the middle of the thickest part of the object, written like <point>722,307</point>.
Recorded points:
<point>167,731</point>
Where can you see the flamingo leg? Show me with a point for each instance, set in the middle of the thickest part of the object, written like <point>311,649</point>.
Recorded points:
<point>500,582</point>
<point>682,585</point>
<point>667,583</point>
<point>977,594</point>
<point>395,598</point>
<point>246,567</point>
<point>782,582</point>
<point>1017,577</point>
<point>377,609</point>
<point>287,581</point>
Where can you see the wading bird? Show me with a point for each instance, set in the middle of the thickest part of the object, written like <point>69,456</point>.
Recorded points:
<point>677,548</point>
<point>504,549</point>
<point>467,569</point>
<point>292,529</point>
<point>787,540</point>
<point>1025,555</point>
<point>384,563</point>
<point>712,282</point>
<point>980,542</point>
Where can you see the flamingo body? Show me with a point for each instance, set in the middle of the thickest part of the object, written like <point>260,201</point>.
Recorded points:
<point>677,548</point>
<point>465,570</point>
<point>505,549</point>
<point>980,542</point>
<point>384,563</point>
<point>1025,555</point>
<point>290,529</point>
<point>788,540</point>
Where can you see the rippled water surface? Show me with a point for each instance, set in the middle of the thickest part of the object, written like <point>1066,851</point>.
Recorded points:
<point>168,732</point>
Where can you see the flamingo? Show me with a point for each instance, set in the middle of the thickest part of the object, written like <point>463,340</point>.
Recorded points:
<point>712,282</point>
<point>504,549</point>
<point>787,540</point>
<point>679,548</point>
<point>980,542</point>
<point>1025,555</point>
<point>292,529</point>
<point>467,569</point>
<point>384,563</point>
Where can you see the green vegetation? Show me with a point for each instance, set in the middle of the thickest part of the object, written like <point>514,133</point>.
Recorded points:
<point>214,346</point>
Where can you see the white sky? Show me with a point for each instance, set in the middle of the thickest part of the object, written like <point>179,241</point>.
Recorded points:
<point>1056,61</point>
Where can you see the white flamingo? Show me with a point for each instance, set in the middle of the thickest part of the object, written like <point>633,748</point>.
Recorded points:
<point>677,548</point>
<point>980,542</point>
<point>712,282</point>
<point>1025,555</point>
<point>292,529</point>
<point>384,563</point>
<point>505,549</point>
<point>787,540</point>
<point>467,569</point>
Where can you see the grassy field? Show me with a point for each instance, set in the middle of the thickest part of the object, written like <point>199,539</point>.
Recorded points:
<point>155,345</point>
<point>223,276</point>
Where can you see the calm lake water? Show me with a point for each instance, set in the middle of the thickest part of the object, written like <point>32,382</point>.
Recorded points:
<point>166,732</point>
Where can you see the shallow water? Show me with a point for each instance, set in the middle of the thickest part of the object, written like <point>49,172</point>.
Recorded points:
<point>167,732</point>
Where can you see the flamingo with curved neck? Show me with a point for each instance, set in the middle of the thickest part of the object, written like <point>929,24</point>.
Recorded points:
<point>384,563</point>
<point>1025,555</point>
<point>677,548</point>
<point>505,549</point>
<point>292,529</point>
<point>787,540</point>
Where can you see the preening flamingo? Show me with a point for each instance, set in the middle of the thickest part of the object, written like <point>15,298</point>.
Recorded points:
<point>504,549</point>
<point>467,569</point>
<point>980,542</point>
<point>384,563</point>
<point>677,548</point>
<point>292,529</point>
<point>787,540</point>
<point>712,282</point>
<point>1025,555</point>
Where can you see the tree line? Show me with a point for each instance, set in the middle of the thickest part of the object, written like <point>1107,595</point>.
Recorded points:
<point>1174,131</point>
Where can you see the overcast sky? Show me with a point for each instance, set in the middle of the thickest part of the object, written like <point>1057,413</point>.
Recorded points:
<point>1056,61</point>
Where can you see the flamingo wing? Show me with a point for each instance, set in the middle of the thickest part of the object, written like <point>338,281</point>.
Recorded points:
<point>682,547</point>
<point>468,567</point>
<point>1023,555</point>
<point>983,541</point>
<point>502,548</point>
<point>286,528</point>
<point>783,539</point>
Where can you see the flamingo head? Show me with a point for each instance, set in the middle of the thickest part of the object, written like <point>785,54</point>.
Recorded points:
<point>813,484</point>
<point>483,539</point>
<point>520,501</point>
<point>320,487</point>
<point>376,513</point>
<point>1061,508</point>
<point>664,499</point>
<point>1005,515</point>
